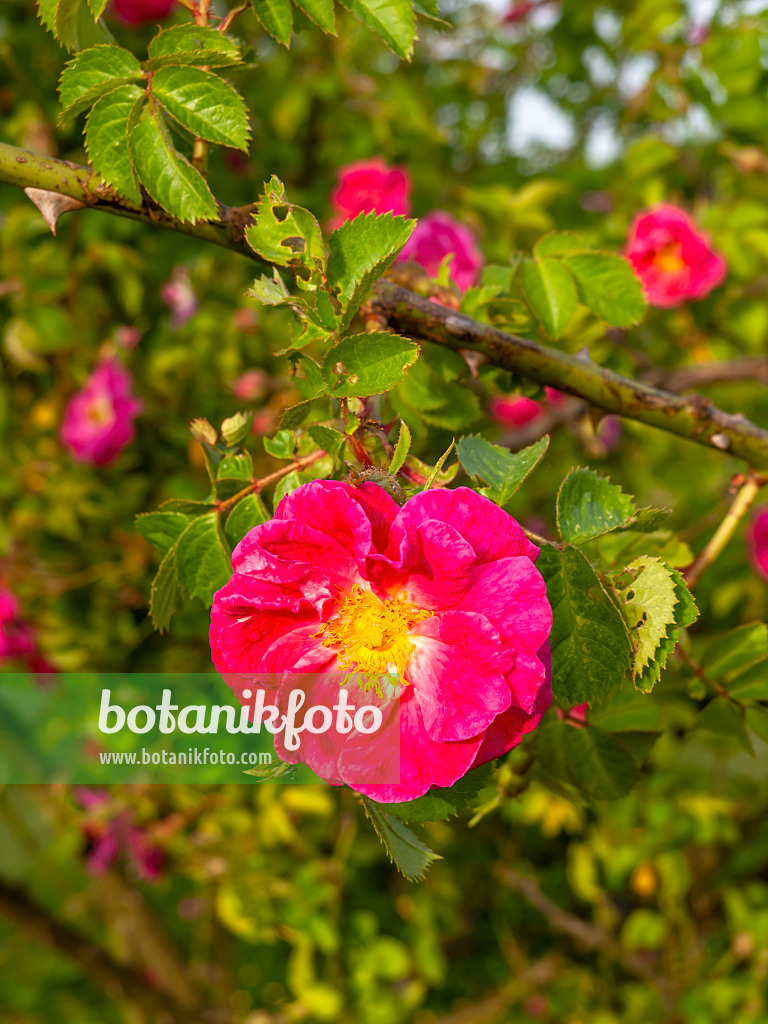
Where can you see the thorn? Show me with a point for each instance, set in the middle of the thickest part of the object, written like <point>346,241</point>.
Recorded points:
<point>52,205</point>
<point>721,441</point>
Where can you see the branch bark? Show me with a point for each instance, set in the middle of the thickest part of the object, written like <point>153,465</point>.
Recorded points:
<point>119,982</point>
<point>694,417</point>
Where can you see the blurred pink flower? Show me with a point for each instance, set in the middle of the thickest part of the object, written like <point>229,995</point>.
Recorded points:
<point>127,337</point>
<point>111,834</point>
<point>139,12</point>
<point>178,295</point>
<point>577,716</point>
<point>756,538</point>
<point>610,431</point>
<point>442,593</point>
<point>514,412</point>
<point>519,11</point>
<point>438,235</point>
<point>370,186</point>
<point>673,258</point>
<point>16,637</point>
<point>98,421</point>
<point>264,422</point>
<point>250,385</point>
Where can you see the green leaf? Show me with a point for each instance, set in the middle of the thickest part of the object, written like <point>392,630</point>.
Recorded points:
<point>626,710</point>
<point>97,7</point>
<point>442,802</point>
<point>281,445</point>
<point>722,718</point>
<point>170,179</point>
<point>368,364</point>
<point>436,469</point>
<point>394,21</point>
<point>321,12</point>
<point>161,529</point>
<point>292,239</point>
<point>187,506</point>
<point>244,516</point>
<point>276,17</point>
<point>309,378</point>
<point>559,243</point>
<point>106,138</point>
<point>288,484</point>
<point>193,45</point>
<point>686,614</point>
<point>237,467</point>
<point>588,505</point>
<point>551,292</point>
<point>751,684</point>
<point>647,520</point>
<point>649,600</point>
<point>73,24</point>
<point>406,851</point>
<point>591,651</point>
<point>361,250</point>
<point>164,593</point>
<point>401,451</point>
<point>733,653</point>
<point>599,763</point>
<point>91,74</point>
<point>204,104</point>
<point>502,469</point>
<point>330,440</point>
<point>757,720</point>
<point>202,564</point>
<point>295,415</point>
<point>269,290</point>
<point>608,286</point>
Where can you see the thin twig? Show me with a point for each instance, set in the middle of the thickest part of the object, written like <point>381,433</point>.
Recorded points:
<point>692,417</point>
<point>256,486</point>
<point>119,981</point>
<point>739,508</point>
<point>587,934</point>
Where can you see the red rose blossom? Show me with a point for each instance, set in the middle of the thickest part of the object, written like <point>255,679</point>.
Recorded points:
<point>98,422</point>
<point>438,235</point>
<point>757,541</point>
<point>140,12</point>
<point>674,260</point>
<point>370,186</point>
<point>442,593</point>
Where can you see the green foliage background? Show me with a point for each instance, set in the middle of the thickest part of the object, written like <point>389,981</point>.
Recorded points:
<point>280,900</point>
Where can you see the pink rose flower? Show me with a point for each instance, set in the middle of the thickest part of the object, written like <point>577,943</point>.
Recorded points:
<point>442,592</point>
<point>757,541</point>
<point>577,716</point>
<point>110,834</point>
<point>179,297</point>
<point>98,421</point>
<point>250,385</point>
<point>519,12</point>
<point>439,235</point>
<point>127,337</point>
<point>514,412</point>
<point>370,186</point>
<point>16,637</point>
<point>674,260</point>
<point>139,12</point>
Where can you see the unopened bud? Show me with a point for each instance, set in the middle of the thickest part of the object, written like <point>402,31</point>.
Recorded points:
<point>202,431</point>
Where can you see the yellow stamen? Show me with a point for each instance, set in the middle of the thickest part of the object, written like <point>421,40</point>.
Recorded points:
<point>99,411</point>
<point>371,636</point>
<point>669,258</point>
